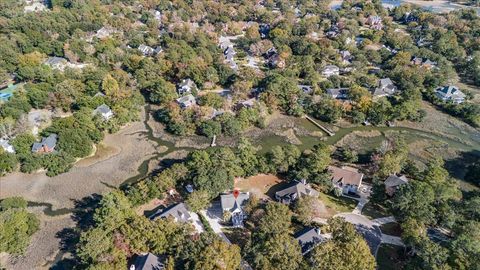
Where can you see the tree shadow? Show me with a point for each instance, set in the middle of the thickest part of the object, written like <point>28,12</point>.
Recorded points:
<point>458,166</point>
<point>82,215</point>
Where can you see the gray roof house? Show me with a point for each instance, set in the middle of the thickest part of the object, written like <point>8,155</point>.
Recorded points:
<point>47,144</point>
<point>178,212</point>
<point>450,93</point>
<point>330,70</point>
<point>56,62</point>
<point>393,182</point>
<point>385,88</point>
<point>186,101</point>
<point>338,93</point>
<point>233,203</point>
<point>148,51</point>
<point>148,261</point>
<point>295,190</point>
<point>186,87</point>
<point>104,111</point>
<point>308,238</point>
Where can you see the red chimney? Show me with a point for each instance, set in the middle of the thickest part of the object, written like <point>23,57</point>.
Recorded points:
<point>236,193</point>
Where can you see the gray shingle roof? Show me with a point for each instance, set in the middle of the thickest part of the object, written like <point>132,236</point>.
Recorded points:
<point>178,211</point>
<point>50,142</point>
<point>308,238</point>
<point>228,201</point>
<point>385,88</point>
<point>393,180</point>
<point>149,262</point>
<point>298,188</point>
<point>103,109</point>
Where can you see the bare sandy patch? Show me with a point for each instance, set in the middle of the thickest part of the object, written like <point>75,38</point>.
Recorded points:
<point>259,185</point>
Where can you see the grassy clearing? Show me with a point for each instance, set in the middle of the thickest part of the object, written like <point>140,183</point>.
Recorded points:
<point>390,257</point>
<point>374,211</point>
<point>259,185</point>
<point>336,205</point>
<point>392,228</point>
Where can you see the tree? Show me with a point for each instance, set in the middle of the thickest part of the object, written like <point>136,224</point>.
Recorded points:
<point>198,200</point>
<point>16,225</point>
<point>305,209</point>
<point>277,220</point>
<point>247,157</point>
<point>279,252</point>
<point>347,249</point>
<point>415,200</point>
<point>111,88</point>
<point>219,256</point>
<point>162,92</point>
<point>313,163</point>
<point>210,128</point>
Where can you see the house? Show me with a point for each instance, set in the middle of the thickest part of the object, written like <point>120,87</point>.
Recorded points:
<point>7,93</point>
<point>149,51</point>
<point>104,111</point>
<point>307,89</point>
<point>224,43</point>
<point>275,61</point>
<point>393,183</point>
<point>186,87</point>
<point>249,103</point>
<point>148,261</point>
<point>450,93</point>
<point>229,53</point>
<point>346,57</point>
<point>330,70</point>
<point>385,88</point>
<point>346,179</point>
<point>56,62</point>
<point>102,33</point>
<point>177,211</point>
<point>338,93</point>
<point>7,147</point>
<point>46,145</point>
<point>308,238</point>
<point>60,63</point>
<point>374,22</point>
<point>264,30</point>
<point>186,101</point>
<point>426,63</point>
<point>295,190</point>
<point>34,6</point>
<point>232,204</point>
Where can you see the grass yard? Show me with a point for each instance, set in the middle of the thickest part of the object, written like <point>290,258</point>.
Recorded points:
<point>336,205</point>
<point>390,257</point>
<point>374,211</point>
<point>392,228</point>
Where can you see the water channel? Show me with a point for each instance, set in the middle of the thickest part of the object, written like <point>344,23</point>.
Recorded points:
<point>267,142</point>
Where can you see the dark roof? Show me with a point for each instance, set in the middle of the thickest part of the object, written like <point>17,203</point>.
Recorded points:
<point>50,142</point>
<point>178,211</point>
<point>296,187</point>
<point>308,238</point>
<point>149,262</point>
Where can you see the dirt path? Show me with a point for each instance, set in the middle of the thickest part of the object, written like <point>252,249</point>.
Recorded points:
<point>127,149</point>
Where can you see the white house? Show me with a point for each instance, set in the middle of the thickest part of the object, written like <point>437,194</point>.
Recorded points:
<point>232,203</point>
<point>104,111</point>
<point>450,93</point>
<point>186,101</point>
<point>186,87</point>
<point>347,179</point>
<point>330,70</point>
<point>5,144</point>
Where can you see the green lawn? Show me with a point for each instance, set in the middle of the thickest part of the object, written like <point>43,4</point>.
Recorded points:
<point>374,211</point>
<point>392,228</point>
<point>338,204</point>
<point>390,257</point>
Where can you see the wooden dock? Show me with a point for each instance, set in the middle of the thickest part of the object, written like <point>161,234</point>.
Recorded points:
<point>324,129</point>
